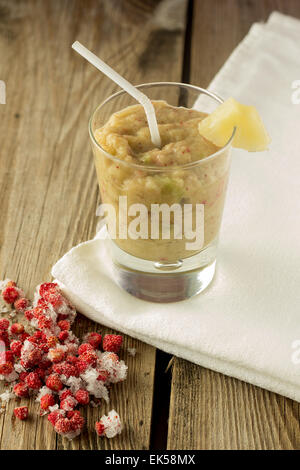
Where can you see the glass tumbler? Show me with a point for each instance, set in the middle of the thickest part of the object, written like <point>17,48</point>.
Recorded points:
<point>162,223</point>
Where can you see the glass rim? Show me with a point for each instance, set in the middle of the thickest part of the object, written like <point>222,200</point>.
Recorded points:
<point>153,167</point>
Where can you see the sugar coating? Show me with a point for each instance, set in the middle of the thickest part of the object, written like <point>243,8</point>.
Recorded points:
<point>45,359</point>
<point>111,423</point>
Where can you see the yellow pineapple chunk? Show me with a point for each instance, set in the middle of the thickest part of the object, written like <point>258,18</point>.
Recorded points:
<point>250,134</point>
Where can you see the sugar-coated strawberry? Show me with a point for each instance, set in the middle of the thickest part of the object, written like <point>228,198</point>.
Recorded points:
<point>56,355</point>
<point>84,347</point>
<point>11,284</point>
<point>46,401</point>
<point>55,416</point>
<point>23,376</point>
<point>21,304</point>
<point>77,421</point>
<point>24,336</point>
<point>90,357</point>
<point>64,368</point>
<point>64,325</point>
<point>82,366</point>
<point>82,396</point>
<point>33,381</point>
<point>52,341</point>
<point>112,343</point>
<point>29,314</point>
<point>4,324</point>
<point>63,426</point>
<point>63,336</point>
<point>72,360</point>
<point>16,347</point>
<point>94,339</point>
<point>21,390</point>
<point>21,412</point>
<point>10,294</point>
<point>6,368</point>
<point>54,383</point>
<point>65,393</point>
<point>68,404</point>
<point>45,323</point>
<point>100,429</point>
<point>47,287</point>
<point>17,329</point>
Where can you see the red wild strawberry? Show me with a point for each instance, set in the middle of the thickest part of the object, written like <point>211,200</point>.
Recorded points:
<point>100,429</point>
<point>11,284</point>
<point>82,366</point>
<point>17,329</point>
<point>21,412</point>
<point>63,426</point>
<point>23,376</point>
<point>82,396</point>
<point>40,372</point>
<point>55,416</point>
<point>90,357</point>
<point>46,401</point>
<point>94,339</point>
<point>20,390</point>
<point>16,347</point>
<point>63,335</point>
<point>37,312</point>
<point>42,304</point>
<point>68,404</point>
<point>72,360</point>
<point>33,381</point>
<point>65,393</point>
<point>52,341</point>
<point>56,355</point>
<point>21,304</point>
<point>64,325</point>
<point>4,324</point>
<point>29,314</point>
<point>77,421</point>
<point>54,383</point>
<point>45,323</point>
<point>84,347</point>
<point>23,337</point>
<point>6,368</point>
<point>47,287</point>
<point>112,343</point>
<point>10,294</point>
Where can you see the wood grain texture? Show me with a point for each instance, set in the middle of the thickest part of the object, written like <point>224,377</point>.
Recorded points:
<point>212,411</point>
<point>207,409</point>
<point>48,187</point>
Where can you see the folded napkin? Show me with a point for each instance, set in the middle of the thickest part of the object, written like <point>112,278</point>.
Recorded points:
<point>246,323</point>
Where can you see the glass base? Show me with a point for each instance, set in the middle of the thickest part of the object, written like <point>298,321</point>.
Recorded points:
<point>162,283</point>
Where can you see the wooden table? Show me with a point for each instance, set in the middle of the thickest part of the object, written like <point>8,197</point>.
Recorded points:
<point>49,194</point>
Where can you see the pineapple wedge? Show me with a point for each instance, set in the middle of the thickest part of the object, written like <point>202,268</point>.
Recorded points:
<point>250,134</point>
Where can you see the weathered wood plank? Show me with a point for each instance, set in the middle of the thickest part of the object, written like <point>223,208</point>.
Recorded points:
<point>212,411</point>
<point>207,409</point>
<point>48,188</point>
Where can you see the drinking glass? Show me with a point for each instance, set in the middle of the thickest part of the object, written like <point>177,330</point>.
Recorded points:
<point>167,265</point>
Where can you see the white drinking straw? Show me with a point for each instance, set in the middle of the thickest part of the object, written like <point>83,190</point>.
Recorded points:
<point>123,83</point>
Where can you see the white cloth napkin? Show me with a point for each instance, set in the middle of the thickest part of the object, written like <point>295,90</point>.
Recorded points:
<point>246,323</point>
